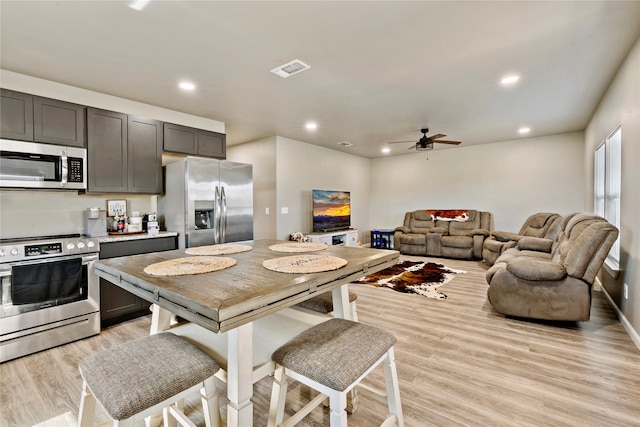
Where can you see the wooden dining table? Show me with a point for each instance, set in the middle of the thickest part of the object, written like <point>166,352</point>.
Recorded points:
<point>230,300</point>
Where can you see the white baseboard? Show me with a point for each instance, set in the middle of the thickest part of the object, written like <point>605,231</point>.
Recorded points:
<point>625,323</point>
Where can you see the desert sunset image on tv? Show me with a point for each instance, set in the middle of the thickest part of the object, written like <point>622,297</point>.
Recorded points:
<point>331,210</point>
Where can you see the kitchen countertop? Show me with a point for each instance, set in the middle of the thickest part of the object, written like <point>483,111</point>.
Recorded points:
<point>126,237</point>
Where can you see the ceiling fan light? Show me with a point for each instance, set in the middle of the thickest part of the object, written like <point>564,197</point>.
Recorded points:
<point>424,146</point>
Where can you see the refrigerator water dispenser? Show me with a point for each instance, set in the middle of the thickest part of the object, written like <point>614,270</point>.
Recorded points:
<point>204,214</point>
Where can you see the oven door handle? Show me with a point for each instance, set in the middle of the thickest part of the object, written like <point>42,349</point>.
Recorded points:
<point>86,259</point>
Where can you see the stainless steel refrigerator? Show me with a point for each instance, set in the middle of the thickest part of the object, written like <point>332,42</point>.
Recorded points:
<point>207,201</point>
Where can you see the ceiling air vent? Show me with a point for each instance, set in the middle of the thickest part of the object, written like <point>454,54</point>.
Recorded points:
<point>290,68</point>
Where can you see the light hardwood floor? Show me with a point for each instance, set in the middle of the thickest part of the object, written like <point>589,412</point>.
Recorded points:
<point>459,363</point>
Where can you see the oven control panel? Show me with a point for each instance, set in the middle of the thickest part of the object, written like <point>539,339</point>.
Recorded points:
<point>36,248</point>
<point>43,249</point>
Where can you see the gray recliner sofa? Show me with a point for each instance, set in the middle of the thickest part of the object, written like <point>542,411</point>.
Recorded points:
<point>541,224</point>
<point>422,234</point>
<point>552,279</point>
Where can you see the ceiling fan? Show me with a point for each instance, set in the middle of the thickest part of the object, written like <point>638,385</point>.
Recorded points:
<point>426,142</point>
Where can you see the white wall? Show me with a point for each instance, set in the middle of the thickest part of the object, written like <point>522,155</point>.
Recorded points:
<point>262,155</point>
<point>303,167</point>
<point>510,179</point>
<point>620,106</point>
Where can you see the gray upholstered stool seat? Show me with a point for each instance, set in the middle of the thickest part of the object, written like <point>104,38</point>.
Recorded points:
<point>333,357</point>
<point>144,376</point>
<point>323,303</point>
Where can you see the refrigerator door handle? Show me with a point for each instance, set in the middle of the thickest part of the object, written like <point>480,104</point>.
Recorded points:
<point>223,216</point>
<point>216,216</point>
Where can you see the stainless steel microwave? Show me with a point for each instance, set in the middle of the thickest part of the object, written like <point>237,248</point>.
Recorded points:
<point>34,165</point>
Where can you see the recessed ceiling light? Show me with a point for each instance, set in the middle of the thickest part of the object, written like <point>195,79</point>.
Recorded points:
<point>311,126</point>
<point>345,143</point>
<point>138,4</point>
<point>187,86</point>
<point>524,130</point>
<point>510,79</point>
<point>386,150</point>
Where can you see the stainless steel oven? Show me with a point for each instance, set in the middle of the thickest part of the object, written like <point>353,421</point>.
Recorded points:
<point>35,165</point>
<point>49,293</point>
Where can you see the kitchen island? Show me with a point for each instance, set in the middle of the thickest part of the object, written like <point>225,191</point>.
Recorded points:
<point>230,300</point>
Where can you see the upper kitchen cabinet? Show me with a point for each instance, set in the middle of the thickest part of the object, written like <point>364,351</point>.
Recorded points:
<point>59,122</point>
<point>195,142</point>
<point>16,115</point>
<point>144,151</point>
<point>27,117</point>
<point>124,153</point>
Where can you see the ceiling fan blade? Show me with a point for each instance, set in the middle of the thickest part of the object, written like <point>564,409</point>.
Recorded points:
<point>438,135</point>
<point>401,142</point>
<point>449,142</point>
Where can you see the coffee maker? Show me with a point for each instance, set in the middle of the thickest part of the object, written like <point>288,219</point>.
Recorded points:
<point>95,222</point>
<point>150,224</point>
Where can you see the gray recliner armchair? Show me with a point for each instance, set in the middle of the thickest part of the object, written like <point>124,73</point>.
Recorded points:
<point>552,280</point>
<point>541,224</point>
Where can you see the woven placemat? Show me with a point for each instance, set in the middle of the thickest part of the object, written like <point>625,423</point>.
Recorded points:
<point>304,263</point>
<point>189,265</point>
<point>222,249</point>
<point>298,247</point>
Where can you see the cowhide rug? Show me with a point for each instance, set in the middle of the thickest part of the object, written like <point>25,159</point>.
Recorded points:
<point>413,277</point>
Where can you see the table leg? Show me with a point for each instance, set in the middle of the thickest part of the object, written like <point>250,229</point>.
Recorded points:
<point>240,376</point>
<point>341,305</point>
<point>160,319</point>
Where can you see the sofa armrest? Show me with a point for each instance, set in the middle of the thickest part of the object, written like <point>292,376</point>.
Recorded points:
<point>506,236</point>
<point>529,268</point>
<point>403,229</point>
<point>480,232</point>
<point>539,244</point>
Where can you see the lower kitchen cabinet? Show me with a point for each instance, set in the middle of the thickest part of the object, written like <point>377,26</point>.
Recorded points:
<point>116,304</point>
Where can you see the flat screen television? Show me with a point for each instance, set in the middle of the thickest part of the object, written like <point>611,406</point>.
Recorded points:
<point>331,210</point>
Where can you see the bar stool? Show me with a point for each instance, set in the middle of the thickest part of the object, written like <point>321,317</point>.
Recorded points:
<point>142,377</point>
<point>332,358</point>
<point>323,304</point>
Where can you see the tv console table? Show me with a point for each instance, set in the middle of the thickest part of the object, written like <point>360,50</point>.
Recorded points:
<point>331,238</point>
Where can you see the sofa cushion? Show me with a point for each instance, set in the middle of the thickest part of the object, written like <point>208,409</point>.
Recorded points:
<point>413,239</point>
<point>422,215</point>
<point>457,241</point>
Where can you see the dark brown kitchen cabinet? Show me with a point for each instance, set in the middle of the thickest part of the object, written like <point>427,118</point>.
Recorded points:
<point>16,115</point>
<point>195,142</point>
<point>144,150</point>
<point>28,117</point>
<point>124,153</point>
<point>58,122</point>
<point>116,304</point>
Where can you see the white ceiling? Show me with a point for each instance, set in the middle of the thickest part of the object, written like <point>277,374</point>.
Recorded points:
<point>379,70</point>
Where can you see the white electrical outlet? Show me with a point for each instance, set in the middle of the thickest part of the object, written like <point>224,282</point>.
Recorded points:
<point>284,211</point>
<point>625,289</point>
<point>266,211</point>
